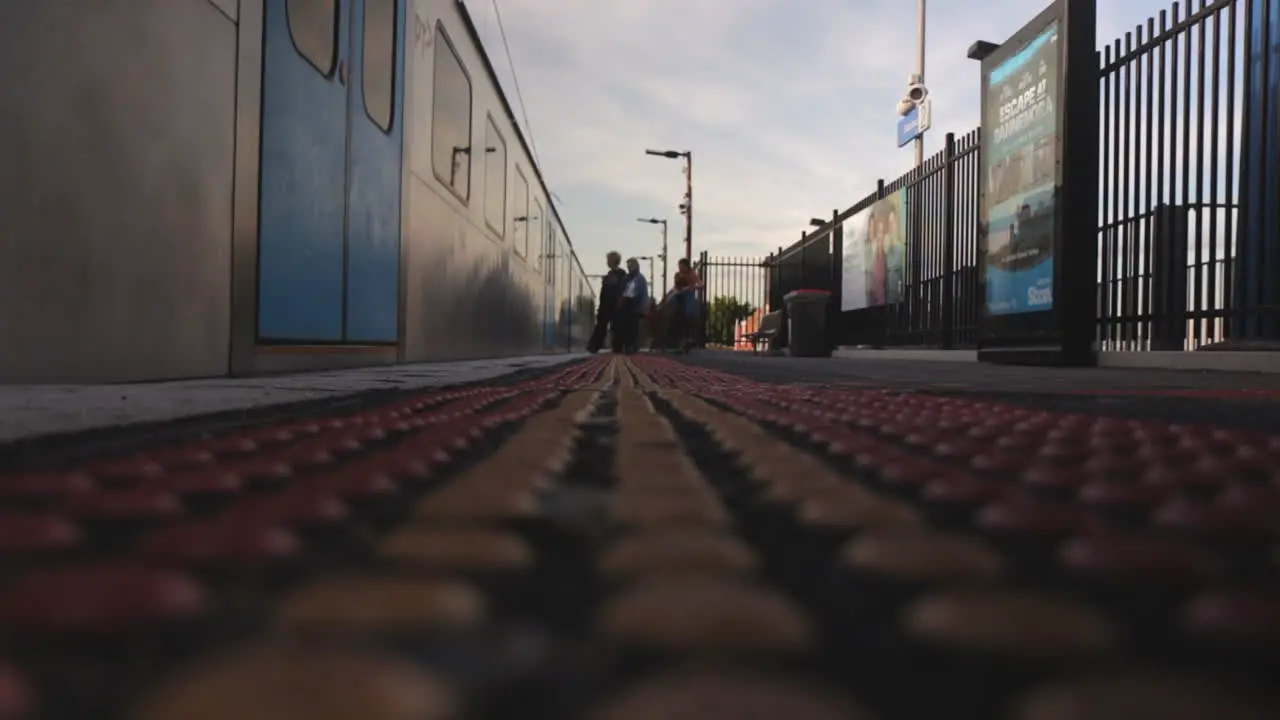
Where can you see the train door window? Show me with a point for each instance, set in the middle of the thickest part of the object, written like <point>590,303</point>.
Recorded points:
<point>313,25</point>
<point>535,234</point>
<point>520,228</point>
<point>451,119</point>
<point>379,60</point>
<point>495,178</point>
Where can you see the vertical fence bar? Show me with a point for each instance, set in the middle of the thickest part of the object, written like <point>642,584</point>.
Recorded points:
<point>1148,137</point>
<point>1229,221</point>
<point>948,241</point>
<point>1212,208</point>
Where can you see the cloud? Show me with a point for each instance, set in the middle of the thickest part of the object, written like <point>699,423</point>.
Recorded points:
<point>788,106</point>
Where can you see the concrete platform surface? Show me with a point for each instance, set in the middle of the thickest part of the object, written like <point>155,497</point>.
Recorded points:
<point>28,411</point>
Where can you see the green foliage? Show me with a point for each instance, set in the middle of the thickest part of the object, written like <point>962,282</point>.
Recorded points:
<point>724,313</point>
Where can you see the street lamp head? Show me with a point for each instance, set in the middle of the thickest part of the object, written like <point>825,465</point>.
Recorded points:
<point>651,221</point>
<point>817,222</point>
<point>671,154</point>
<point>981,49</point>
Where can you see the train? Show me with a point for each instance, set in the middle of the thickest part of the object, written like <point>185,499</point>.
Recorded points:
<point>205,188</point>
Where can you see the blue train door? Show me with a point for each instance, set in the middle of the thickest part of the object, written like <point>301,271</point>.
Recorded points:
<point>329,232</point>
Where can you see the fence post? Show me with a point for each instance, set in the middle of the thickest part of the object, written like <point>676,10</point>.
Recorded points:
<point>837,280</point>
<point>1169,268</point>
<point>704,303</point>
<point>948,241</point>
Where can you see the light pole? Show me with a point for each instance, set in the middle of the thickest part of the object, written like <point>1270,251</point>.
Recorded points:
<point>687,206</point>
<point>650,259</point>
<point>663,223</point>
<point>920,7</point>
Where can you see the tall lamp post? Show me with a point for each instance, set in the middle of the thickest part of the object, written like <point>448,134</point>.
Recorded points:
<point>650,259</point>
<point>687,206</point>
<point>663,223</point>
<point>920,9</point>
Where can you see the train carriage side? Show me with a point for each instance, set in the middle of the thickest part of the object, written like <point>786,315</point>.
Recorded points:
<point>480,222</point>
<point>268,185</point>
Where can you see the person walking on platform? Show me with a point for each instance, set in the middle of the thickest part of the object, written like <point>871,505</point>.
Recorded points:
<point>611,287</point>
<point>684,297</point>
<point>634,304</point>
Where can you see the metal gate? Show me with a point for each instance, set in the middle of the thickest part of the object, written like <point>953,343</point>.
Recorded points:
<point>734,298</point>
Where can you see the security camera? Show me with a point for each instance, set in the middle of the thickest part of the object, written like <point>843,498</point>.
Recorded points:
<point>905,106</point>
<point>917,92</point>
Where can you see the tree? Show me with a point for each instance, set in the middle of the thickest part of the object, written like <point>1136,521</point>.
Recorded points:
<point>723,315</point>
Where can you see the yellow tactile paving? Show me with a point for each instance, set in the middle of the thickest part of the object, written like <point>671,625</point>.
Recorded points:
<point>464,549</point>
<point>377,605</point>
<point>274,682</point>
<point>505,484</point>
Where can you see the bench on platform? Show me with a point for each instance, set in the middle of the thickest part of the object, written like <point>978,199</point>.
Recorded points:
<point>770,327</point>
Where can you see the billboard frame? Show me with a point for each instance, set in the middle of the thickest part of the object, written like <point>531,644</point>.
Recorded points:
<point>1065,334</point>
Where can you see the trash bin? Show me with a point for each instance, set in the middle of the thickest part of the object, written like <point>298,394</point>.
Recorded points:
<point>807,323</point>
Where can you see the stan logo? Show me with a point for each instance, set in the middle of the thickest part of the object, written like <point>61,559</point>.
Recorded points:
<point>1037,296</point>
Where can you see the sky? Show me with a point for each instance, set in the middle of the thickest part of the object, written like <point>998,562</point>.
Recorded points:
<point>787,105</point>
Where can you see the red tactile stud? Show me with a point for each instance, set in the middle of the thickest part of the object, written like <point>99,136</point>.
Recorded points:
<point>183,457</point>
<point>132,504</point>
<point>124,469</point>
<point>1115,465</point>
<point>44,486</point>
<point>313,453</point>
<point>270,435</point>
<point>1138,561</point>
<point>261,469</point>
<point>17,701</point>
<point>1037,519</point>
<point>213,543</point>
<point>1251,495</point>
<point>354,482</point>
<point>1234,618</point>
<point>1216,521</point>
<point>300,506</point>
<point>34,533</point>
<point>1172,476</point>
<point>110,598</point>
<point>199,482</point>
<point>230,445</point>
<point>999,462</point>
<point>962,492</point>
<point>1120,495</point>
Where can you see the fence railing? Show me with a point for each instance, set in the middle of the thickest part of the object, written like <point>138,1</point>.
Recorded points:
<point>1178,131</point>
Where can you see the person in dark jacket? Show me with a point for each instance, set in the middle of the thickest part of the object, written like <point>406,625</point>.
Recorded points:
<point>611,288</point>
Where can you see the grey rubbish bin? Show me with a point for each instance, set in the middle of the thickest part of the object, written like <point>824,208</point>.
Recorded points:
<point>807,323</point>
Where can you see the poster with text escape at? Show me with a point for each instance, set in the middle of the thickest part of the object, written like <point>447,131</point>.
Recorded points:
<point>1019,148</point>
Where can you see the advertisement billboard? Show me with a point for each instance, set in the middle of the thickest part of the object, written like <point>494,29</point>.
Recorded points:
<point>1020,136</point>
<point>874,254</point>
<point>853,277</point>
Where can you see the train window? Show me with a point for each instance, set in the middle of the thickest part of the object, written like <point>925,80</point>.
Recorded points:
<point>520,229</point>
<point>451,119</point>
<point>313,25</point>
<point>379,75</point>
<point>495,178</point>
<point>534,241</point>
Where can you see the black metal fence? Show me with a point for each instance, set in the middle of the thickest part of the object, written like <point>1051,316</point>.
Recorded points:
<point>735,295</point>
<point>1173,163</point>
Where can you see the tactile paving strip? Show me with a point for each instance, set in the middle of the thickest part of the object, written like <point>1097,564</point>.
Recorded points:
<point>639,538</point>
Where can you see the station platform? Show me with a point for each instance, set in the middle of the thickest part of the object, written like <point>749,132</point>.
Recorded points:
<point>664,538</point>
